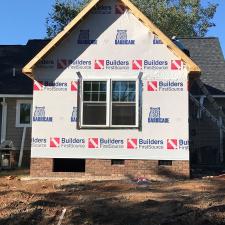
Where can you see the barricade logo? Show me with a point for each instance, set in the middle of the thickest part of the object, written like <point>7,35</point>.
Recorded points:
<point>63,63</point>
<point>121,38</point>
<point>120,8</point>
<point>74,86</point>
<point>46,63</point>
<point>156,40</point>
<point>150,144</point>
<point>112,143</point>
<point>168,85</point>
<point>38,86</point>
<point>152,85</point>
<point>84,38</point>
<point>176,64</point>
<point>39,115</point>
<point>99,64</point>
<point>102,9</point>
<point>39,142</point>
<point>132,143</point>
<point>172,144</point>
<point>137,64</point>
<point>155,117</point>
<point>93,143</point>
<point>54,142</point>
<point>74,115</point>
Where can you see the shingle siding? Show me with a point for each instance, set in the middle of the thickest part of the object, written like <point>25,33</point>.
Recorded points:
<point>15,133</point>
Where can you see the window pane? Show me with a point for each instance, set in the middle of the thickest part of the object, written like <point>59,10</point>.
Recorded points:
<point>87,86</point>
<point>95,86</point>
<point>116,86</point>
<point>116,96</point>
<point>87,96</point>
<point>94,96</point>
<point>25,110</point>
<point>94,113</point>
<point>132,86</point>
<point>102,97</point>
<point>102,86</point>
<point>123,114</point>
<point>131,97</point>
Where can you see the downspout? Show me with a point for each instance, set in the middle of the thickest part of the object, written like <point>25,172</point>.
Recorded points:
<point>4,120</point>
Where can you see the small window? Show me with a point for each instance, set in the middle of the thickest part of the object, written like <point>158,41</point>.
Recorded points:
<point>165,162</point>
<point>117,162</point>
<point>23,113</point>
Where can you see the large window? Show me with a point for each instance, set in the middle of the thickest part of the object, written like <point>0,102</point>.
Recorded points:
<point>23,113</point>
<point>111,103</point>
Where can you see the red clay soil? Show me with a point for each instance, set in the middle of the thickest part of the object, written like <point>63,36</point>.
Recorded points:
<point>187,202</point>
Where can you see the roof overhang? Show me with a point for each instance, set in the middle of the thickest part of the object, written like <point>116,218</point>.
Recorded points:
<point>192,67</point>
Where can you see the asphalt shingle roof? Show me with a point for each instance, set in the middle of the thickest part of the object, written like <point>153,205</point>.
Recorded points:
<point>16,56</point>
<point>207,53</point>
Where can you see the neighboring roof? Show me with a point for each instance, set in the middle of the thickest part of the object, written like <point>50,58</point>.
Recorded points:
<point>192,67</point>
<point>16,56</point>
<point>207,53</point>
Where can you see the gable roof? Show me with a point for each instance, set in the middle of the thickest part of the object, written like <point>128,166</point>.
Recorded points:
<point>207,53</point>
<point>192,67</point>
<point>13,58</point>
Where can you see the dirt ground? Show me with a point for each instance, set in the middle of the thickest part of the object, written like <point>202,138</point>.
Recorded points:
<point>124,202</point>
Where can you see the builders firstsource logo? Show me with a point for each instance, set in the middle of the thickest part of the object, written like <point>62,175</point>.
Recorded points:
<point>55,86</point>
<point>150,144</point>
<point>132,143</point>
<point>111,143</point>
<point>70,142</point>
<point>39,142</point>
<point>173,144</point>
<point>93,143</point>
<point>169,85</point>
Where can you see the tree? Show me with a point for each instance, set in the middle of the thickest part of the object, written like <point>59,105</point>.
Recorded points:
<point>174,17</point>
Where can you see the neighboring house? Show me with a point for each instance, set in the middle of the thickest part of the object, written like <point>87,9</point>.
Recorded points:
<point>16,92</point>
<point>207,143</point>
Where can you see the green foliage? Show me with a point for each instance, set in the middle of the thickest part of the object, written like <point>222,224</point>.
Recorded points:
<point>174,17</point>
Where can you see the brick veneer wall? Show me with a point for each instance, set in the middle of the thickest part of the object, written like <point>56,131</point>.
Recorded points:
<point>41,167</point>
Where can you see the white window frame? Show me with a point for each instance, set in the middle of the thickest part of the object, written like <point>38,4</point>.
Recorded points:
<point>136,101</point>
<point>18,103</point>
<point>109,103</point>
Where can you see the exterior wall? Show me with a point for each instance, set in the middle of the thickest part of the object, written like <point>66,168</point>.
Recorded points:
<point>205,136</point>
<point>15,133</point>
<point>91,51</point>
<point>102,168</point>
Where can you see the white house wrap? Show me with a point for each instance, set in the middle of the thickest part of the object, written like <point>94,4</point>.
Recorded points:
<point>111,89</point>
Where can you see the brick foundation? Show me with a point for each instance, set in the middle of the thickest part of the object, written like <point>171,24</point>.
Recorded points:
<point>41,167</point>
